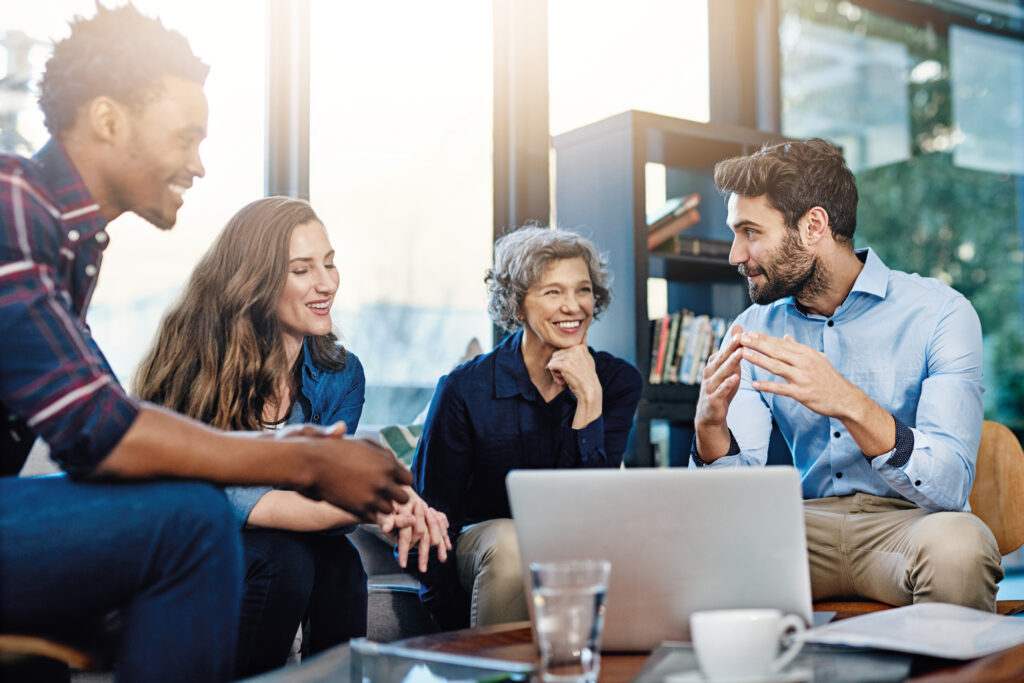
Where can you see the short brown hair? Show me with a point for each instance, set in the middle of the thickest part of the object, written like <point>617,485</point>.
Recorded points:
<point>796,177</point>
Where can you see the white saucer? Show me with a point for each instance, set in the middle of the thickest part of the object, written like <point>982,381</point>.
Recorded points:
<point>788,676</point>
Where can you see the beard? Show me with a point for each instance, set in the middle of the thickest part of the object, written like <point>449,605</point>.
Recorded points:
<point>788,271</point>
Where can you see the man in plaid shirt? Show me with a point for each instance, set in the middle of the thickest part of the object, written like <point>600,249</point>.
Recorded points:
<point>123,101</point>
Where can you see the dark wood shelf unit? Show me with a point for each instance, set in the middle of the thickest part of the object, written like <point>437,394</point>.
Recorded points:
<point>600,190</point>
<point>692,268</point>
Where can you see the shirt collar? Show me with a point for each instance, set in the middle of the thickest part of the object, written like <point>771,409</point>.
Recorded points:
<point>510,374</point>
<point>76,206</point>
<point>873,278</point>
<point>309,368</point>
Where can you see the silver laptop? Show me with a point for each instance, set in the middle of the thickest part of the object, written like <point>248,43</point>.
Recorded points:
<point>678,540</point>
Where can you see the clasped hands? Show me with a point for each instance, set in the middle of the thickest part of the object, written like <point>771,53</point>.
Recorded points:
<point>414,523</point>
<point>410,521</point>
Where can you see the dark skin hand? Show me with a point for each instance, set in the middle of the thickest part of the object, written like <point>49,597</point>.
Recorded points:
<point>361,477</point>
<point>353,474</point>
<point>369,481</point>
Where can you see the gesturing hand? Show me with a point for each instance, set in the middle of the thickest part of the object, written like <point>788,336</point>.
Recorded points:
<point>718,387</point>
<point>810,377</point>
<point>359,476</point>
<point>720,381</point>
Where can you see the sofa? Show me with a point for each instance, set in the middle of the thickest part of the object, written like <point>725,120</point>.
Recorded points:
<point>394,611</point>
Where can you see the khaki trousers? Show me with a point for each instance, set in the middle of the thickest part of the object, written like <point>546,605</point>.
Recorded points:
<point>487,559</point>
<point>889,550</point>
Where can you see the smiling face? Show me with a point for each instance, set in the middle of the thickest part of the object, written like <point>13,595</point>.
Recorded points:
<point>305,305</point>
<point>768,252</point>
<point>158,156</point>
<point>558,309</point>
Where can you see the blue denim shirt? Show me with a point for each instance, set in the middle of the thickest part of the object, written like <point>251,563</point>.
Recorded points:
<point>325,397</point>
<point>914,346</point>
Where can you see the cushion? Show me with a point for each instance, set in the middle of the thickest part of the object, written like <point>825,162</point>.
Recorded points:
<point>402,440</point>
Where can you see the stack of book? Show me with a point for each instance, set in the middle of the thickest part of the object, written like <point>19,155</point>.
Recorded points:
<point>681,343</point>
<point>677,215</point>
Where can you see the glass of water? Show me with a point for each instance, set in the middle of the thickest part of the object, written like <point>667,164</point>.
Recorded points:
<point>568,611</point>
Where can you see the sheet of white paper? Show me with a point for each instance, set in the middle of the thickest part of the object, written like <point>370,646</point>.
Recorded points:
<point>935,629</point>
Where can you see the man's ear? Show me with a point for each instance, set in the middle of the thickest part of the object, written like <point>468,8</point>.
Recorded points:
<point>107,118</point>
<point>814,225</point>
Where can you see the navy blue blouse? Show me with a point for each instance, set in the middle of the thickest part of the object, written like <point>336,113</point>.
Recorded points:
<point>487,418</point>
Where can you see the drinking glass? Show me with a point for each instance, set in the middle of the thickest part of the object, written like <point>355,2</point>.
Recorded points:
<point>568,610</point>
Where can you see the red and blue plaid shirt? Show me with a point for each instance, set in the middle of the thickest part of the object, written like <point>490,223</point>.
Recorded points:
<point>54,381</point>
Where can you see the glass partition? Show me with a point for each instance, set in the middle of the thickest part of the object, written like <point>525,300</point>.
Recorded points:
<point>401,149</point>
<point>932,123</point>
<point>144,268</point>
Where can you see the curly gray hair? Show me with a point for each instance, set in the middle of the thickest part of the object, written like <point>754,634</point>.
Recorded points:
<point>523,256</point>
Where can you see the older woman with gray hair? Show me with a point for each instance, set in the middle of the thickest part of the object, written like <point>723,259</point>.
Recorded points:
<point>541,399</point>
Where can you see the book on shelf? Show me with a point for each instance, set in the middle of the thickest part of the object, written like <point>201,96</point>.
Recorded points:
<point>681,346</point>
<point>670,348</point>
<point>659,365</point>
<point>677,344</point>
<point>688,373</point>
<point>701,246</point>
<point>655,337</point>
<point>677,215</point>
<point>681,343</point>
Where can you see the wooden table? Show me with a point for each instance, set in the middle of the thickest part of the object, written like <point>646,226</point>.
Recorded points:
<point>515,642</point>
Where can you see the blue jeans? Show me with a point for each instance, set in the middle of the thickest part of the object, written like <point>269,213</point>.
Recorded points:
<point>166,555</point>
<point>290,576</point>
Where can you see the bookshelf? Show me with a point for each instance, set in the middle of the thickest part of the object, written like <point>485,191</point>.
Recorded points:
<point>605,174</point>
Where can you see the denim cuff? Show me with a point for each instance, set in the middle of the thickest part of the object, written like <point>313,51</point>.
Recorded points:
<point>904,445</point>
<point>734,449</point>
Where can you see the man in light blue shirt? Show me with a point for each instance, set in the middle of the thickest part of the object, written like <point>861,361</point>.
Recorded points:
<point>873,377</point>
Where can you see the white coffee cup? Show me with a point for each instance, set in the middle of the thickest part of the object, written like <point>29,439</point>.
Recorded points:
<point>743,643</point>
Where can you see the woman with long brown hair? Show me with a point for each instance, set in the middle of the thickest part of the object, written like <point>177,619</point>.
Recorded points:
<point>249,346</point>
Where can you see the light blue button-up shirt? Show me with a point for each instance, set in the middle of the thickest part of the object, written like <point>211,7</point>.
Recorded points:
<point>914,346</point>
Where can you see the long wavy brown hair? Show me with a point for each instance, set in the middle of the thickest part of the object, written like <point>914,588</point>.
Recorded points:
<point>219,356</point>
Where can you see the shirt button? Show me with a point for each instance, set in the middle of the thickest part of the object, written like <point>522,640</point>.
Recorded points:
<point>73,235</point>
<point>90,270</point>
<point>836,434</point>
<point>830,323</point>
<point>101,237</point>
<point>839,475</point>
<point>316,419</point>
<point>917,483</point>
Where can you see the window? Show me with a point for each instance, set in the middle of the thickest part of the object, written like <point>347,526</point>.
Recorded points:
<point>650,56</point>
<point>605,58</point>
<point>401,128</point>
<point>931,123</point>
<point>143,268</point>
